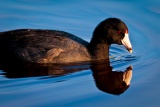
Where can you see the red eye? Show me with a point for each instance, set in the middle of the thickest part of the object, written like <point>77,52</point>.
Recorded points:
<point>120,86</point>
<point>119,32</point>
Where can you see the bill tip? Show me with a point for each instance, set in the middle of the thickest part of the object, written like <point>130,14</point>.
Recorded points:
<point>130,50</point>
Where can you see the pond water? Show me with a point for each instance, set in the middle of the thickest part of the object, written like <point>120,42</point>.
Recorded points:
<point>79,85</point>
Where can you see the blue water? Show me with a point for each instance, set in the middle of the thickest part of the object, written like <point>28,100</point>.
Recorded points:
<point>80,18</point>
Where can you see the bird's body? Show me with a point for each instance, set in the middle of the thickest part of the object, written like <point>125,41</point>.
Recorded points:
<point>44,46</point>
<point>52,46</point>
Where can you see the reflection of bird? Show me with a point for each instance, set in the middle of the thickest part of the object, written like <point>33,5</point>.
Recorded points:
<point>113,82</point>
<point>105,79</point>
<point>21,70</point>
<point>51,46</point>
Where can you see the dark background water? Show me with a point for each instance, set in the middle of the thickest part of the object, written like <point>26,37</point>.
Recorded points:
<point>80,18</point>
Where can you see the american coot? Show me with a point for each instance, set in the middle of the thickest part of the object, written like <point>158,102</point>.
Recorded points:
<point>52,46</point>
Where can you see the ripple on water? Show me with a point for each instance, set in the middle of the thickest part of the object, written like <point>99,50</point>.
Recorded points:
<point>120,58</point>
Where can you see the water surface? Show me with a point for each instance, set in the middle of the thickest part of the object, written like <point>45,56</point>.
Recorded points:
<point>79,87</point>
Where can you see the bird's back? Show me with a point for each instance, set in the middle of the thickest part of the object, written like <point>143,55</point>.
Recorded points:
<point>43,46</point>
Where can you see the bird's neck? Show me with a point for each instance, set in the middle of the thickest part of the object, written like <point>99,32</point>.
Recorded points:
<point>98,51</point>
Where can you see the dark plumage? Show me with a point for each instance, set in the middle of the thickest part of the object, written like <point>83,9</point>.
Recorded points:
<point>52,46</point>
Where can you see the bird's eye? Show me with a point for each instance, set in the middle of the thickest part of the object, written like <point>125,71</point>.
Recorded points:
<point>119,32</point>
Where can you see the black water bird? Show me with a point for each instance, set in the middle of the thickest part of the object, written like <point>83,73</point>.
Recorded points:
<point>52,46</point>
